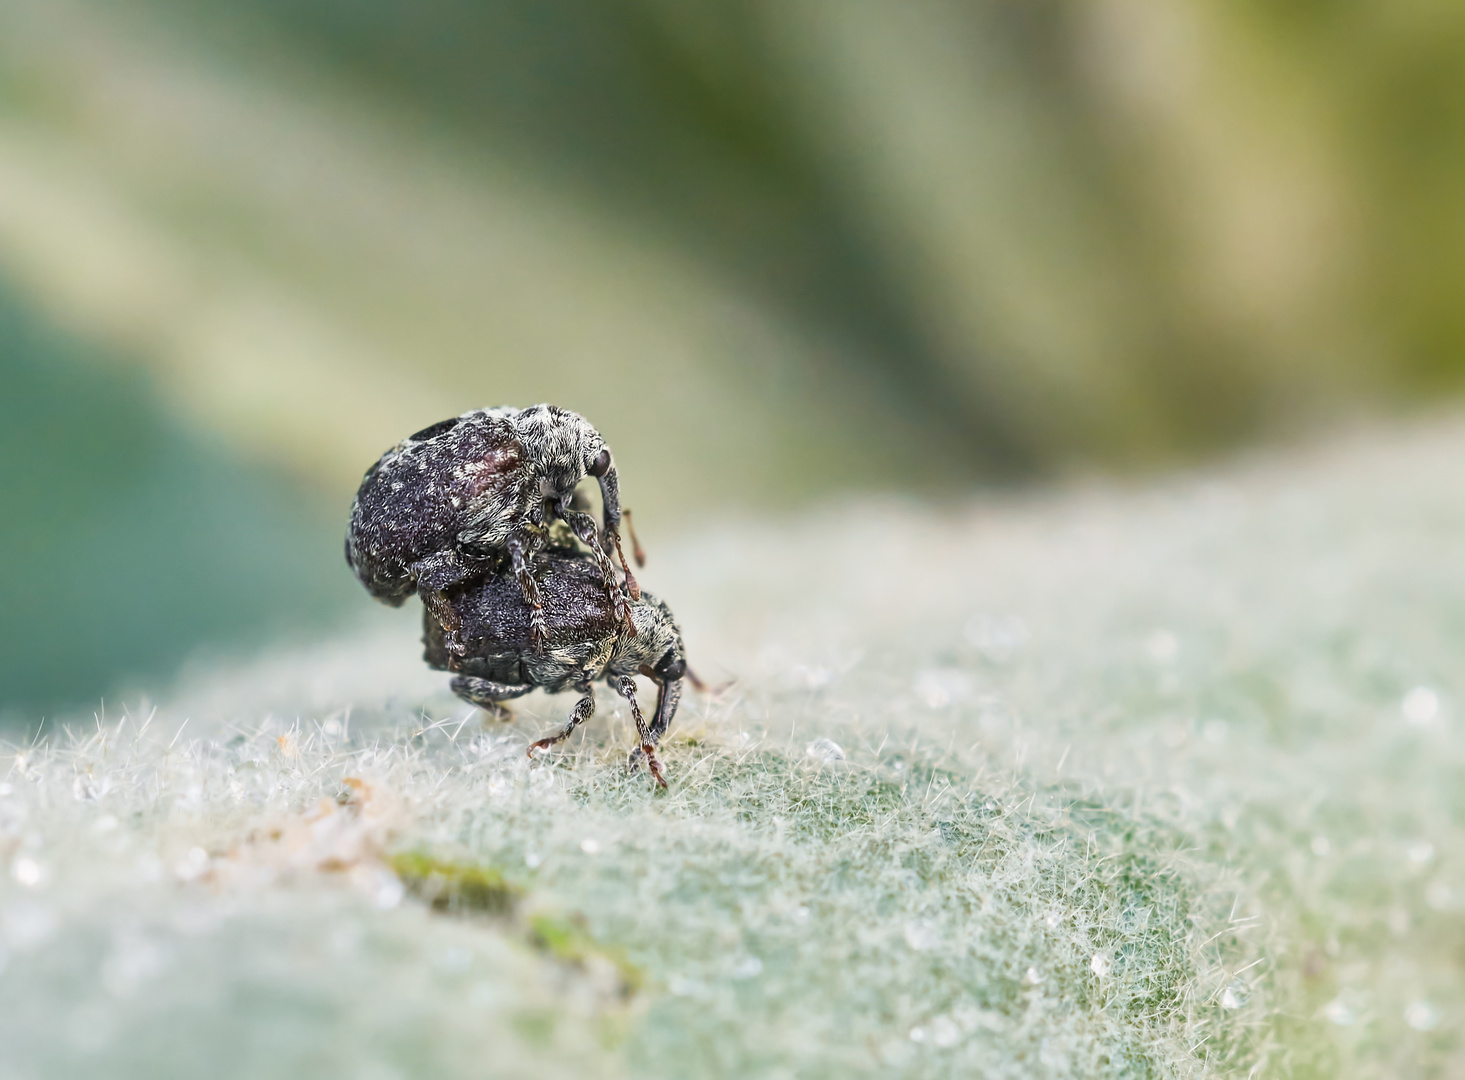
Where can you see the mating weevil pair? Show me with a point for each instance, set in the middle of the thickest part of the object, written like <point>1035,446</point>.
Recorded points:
<point>461,512</point>
<point>445,506</point>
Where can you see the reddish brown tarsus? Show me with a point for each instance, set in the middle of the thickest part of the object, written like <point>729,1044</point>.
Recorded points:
<point>635,544</point>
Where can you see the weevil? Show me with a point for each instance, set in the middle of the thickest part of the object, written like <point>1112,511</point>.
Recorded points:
<point>454,501</point>
<point>586,641</point>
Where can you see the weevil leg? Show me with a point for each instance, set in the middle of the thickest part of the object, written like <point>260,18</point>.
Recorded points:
<point>668,695</point>
<point>632,585</point>
<point>522,546</point>
<point>627,686</point>
<point>584,709</point>
<point>487,694</point>
<point>703,687</point>
<point>436,575</point>
<point>610,501</point>
<point>584,527</point>
<point>436,605</point>
<point>434,648</point>
<point>636,549</point>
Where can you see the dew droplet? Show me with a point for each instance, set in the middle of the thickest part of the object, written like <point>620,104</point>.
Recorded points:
<point>1420,706</point>
<point>815,677</point>
<point>193,865</point>
<point>389,891</point>
<point>383,887</point>
<point>1421,852</point>
<point>922,935</point>
<point>825,751</point>
<point>1421,1016</point>
<point>1235,995</point>
<point>28,872</point>
<point>1337,1012</point>
<point>944,1032</point>
<point>942,686</point>
<point>590,846</point>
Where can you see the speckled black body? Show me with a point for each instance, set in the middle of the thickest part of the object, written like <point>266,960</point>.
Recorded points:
<point>456,501</point>
<point>586,641</point>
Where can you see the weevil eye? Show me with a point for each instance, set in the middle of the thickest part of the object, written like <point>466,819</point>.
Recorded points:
<point>601,464</point>
<point>670,667</point>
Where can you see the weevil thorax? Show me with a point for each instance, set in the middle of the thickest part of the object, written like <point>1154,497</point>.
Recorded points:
<point>558,445</point>
<point>656,644</point>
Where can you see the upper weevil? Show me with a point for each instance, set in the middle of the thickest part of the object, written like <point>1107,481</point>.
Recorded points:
<point>446,505</point>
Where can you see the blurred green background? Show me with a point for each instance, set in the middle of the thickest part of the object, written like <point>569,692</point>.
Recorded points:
<point>775,251</point>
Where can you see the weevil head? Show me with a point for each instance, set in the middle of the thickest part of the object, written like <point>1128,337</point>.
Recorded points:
<point>655,649</point>
<point>561,447</point>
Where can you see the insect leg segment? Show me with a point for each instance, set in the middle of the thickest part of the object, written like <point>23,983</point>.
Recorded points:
<point>435,575</point>
<point>522,545</point>
<point>668,696</point>
<point>487,694</point>
<point>627,686</point>
<point>583,526</point>
<point>635,543</point>
<point>437,605</point>
<point>610,500</point>
<point>632,586</point>
<point>584,709</point>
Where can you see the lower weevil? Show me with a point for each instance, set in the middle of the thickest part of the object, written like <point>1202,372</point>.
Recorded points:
<point>585,640</point>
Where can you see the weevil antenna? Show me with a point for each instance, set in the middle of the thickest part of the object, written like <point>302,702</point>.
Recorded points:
<point>636,549</point>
